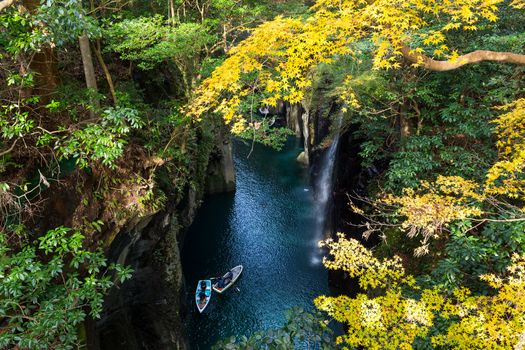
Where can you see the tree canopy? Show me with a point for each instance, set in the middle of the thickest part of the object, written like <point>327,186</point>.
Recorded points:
<point>278,58</point>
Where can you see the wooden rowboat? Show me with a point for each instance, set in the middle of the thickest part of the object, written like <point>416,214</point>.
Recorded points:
<point>203,296</point>
<point>235,273</point>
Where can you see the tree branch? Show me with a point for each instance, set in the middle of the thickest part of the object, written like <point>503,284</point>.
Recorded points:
<point>9,149</point>
<point>470,58</point>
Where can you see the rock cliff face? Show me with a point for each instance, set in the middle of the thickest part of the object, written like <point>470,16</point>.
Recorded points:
<point>350,181</point>
<point>297,119</point>
<point>220,175</point>
<point>144,312</point>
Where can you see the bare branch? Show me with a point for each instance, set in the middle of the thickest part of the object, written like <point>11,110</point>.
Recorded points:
<point>9,149</point>
<point>470,58</point>
<point>5,4</point>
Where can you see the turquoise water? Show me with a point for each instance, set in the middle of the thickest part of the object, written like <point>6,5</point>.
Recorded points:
<point>269,226</point>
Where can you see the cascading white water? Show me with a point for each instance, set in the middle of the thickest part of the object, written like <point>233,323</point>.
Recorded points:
<point>323,188</point>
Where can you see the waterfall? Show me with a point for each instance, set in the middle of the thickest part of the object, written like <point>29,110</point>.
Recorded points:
<point>323,189</point>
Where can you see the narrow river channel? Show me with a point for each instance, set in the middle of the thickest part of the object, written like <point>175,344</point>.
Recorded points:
<point>269,226</point>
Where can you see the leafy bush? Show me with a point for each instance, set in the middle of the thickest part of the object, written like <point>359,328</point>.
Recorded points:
<point>101,141</point>
<point>48,288</point>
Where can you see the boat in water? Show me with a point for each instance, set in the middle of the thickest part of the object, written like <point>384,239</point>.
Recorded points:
<point>228,279</point>
<point>203,294</point>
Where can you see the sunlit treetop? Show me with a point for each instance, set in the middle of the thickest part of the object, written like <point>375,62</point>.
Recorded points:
<point>276,62</point>
<point>400,311</point>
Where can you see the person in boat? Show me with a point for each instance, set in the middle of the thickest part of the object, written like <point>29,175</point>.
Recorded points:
<point>228,278</point>
<point>203,285</point>
<point>202,297</point>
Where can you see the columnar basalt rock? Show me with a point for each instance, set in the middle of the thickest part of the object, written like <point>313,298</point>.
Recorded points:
<point>144,313</point>
<point>220,176</point>
<point>294,120</point>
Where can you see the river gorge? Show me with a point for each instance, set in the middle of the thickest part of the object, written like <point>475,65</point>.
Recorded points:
<point>269,225</point>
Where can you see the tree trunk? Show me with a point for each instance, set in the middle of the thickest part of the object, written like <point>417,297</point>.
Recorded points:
<point>225,38</point>
<point>98,53</point>
<point>43,63</point>
<point>405,127</point>
<point>89,69</point>
<point>172,12</point>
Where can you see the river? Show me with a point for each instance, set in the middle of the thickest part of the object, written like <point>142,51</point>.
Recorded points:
<point>269,226</point>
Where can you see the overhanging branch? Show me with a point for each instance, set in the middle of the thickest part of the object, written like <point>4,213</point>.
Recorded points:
<point>5,3</point>
<point>470,58</point>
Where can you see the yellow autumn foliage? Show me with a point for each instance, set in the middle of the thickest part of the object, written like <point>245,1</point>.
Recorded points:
<point>519,4</point>
<point>350,256</point>
<point>394,312</point>
<point>427,211</point>
<point>506,175</point>
<point>278,58</point>
<point>431,208</point>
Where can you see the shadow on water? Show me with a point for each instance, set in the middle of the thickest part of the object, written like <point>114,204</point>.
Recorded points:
<point>269,226</point>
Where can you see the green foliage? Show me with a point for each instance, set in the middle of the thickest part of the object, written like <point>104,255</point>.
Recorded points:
<point>15,122</point>
<point>74,99</point>
<point>151,41</point>
<point>161,128</point>
<point>55,22</point>
<point>468,255</point>
<point>153,200</point>
<point>425,155</point>
<point>48,287</point>
<point>18,32</point>
<point>301,329</point>
<point>102,141</point>
<point>447,116</point>
<point>264,133</point>
<point>88,141</point>
<point>65,21</point>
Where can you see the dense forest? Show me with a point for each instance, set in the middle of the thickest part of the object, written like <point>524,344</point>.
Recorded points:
<point>116,119</point>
